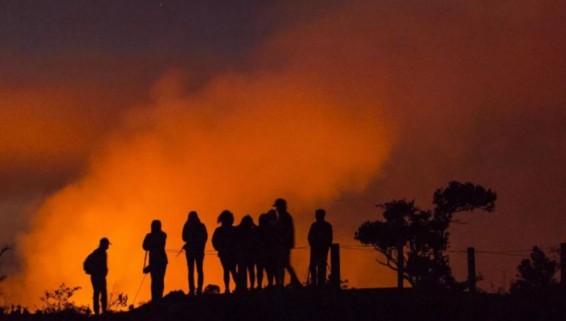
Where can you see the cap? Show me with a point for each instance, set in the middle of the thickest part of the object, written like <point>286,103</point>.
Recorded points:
<point>105,240</point>
<point>280,202</point>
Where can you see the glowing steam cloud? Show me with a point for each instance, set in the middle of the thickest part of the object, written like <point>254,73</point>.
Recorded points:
<point>238,143</point>
<point>316,117</point>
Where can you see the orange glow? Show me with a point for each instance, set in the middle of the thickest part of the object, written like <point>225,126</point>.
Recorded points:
<point>305,129</point>
<point>44,126</point>
<point>238,144</point>
<point>313,117</point>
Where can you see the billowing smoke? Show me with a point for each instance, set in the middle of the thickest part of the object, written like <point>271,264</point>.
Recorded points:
<point>366,102</point>
<point>238,143</point>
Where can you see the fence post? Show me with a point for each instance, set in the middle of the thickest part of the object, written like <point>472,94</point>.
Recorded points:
<point>563,264</point>
<point>335,265</point>
<point>471,270</point>
<point>400,266</point>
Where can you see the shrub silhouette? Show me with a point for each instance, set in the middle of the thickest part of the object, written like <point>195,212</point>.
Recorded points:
<point>535,273</point>
<point>59,300</point>
<point>117,301</point>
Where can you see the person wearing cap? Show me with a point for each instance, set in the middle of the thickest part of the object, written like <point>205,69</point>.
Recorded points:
<point>98,274</point>
<point>286,235</point>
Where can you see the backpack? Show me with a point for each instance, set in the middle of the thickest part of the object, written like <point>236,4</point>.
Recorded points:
<point>89,265</point>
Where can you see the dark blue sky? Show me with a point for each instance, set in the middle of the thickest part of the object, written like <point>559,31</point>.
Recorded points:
<point>130,27</point>
<point>39,37</point>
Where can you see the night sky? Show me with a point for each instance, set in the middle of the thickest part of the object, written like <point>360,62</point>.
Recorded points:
<point>118,112</point>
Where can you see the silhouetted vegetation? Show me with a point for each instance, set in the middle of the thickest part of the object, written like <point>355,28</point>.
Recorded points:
<point>117,301</point>
<point>535,273</point>
<point>422,235</point>
<point>14,310</point>
<point>314,304</point>
<point>59,300</point>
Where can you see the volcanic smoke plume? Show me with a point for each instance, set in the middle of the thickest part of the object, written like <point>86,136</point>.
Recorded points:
<point>238,143</point>
<point>357,104</point>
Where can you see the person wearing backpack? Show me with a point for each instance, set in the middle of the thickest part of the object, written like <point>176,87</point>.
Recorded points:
<point>96,264</point>
<point>195,237</point>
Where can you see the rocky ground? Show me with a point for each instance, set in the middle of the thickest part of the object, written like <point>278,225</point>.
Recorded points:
<point>361,304</point>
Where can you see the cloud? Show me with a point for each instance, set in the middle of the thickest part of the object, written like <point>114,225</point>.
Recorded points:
<point>238,143</point>
<point>363,103</point>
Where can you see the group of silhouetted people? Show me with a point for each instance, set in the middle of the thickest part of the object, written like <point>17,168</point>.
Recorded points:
<point>247,252</point>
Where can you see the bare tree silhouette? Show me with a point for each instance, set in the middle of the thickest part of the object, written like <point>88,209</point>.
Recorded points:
<point>421,236</point>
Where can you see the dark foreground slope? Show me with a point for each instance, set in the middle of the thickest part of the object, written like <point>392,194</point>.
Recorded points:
<point>307,304</point>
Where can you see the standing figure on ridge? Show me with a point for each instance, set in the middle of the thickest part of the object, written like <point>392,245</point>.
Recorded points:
<point>154,243</point>
<point>224,240</point>
<point>320,240</point>
<point>195,237</point>
<point>247,252</point>
<point>266,256</point>
<point>286,232</point>
<point>96,264</point>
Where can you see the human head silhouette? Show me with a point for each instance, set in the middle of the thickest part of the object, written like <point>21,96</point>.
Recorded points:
<point>263,219</point>
<point>247,221</point>
<point>193,217</point>
<point>226,218</point>
<point>155,225</point>
<point>272,216</point>
<point>320,214</point>
<point>280,204</point>
<point>104,243</point>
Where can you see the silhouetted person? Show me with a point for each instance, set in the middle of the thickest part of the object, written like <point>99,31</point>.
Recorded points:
<point>266,260</point>
<point>195,237</point>
<point>154,243</point>
<point>320,240</point>
<point>278,249</point>
<point>224,240</point>
<point>286,232</point>
<point>96,265</point>
<point>247,252</point>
